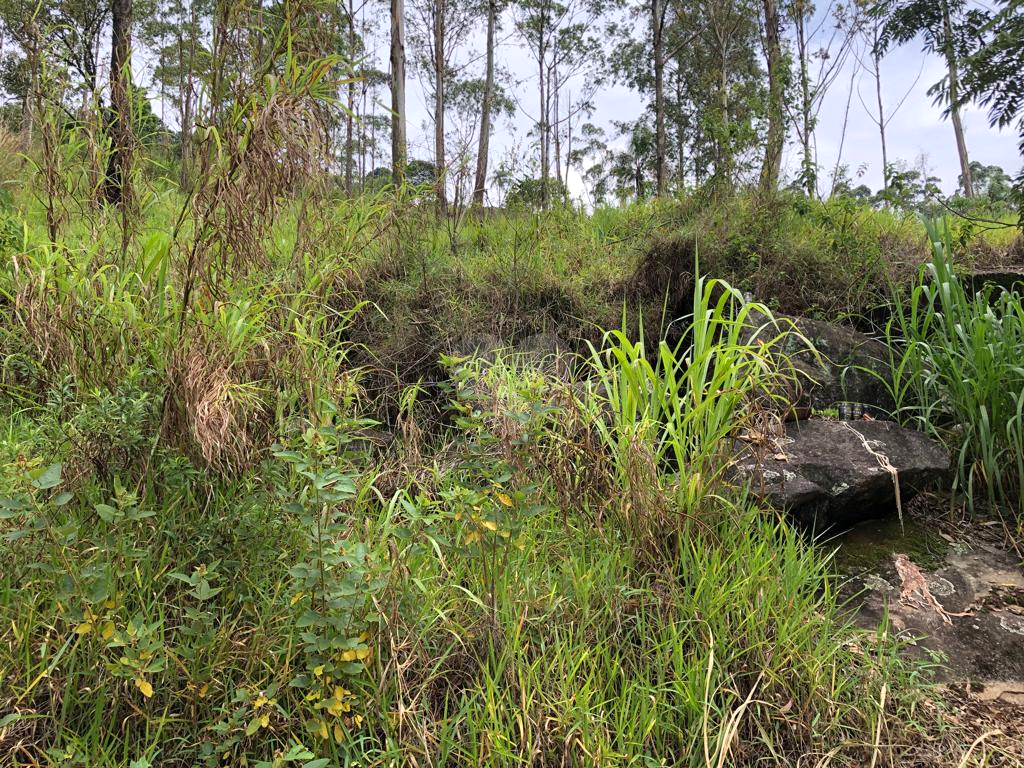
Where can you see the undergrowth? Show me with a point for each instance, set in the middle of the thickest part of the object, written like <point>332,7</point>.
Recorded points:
<point>256,511</point>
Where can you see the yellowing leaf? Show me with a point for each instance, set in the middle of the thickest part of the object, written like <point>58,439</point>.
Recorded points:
<point>322,732</point>
<point>295,598</point>
<point>318,670</point>
<point>84,628</point>
<point>107,630</point>
<point>490,525</point>
<point>203,690</point>
<point>339,735</point>
<point>261,701</point>
<point>265,720</point>
<point>504,499</point>
<point>472,537</point>
<point>145,686</point>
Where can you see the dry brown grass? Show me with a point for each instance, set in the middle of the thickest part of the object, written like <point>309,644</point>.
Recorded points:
<point>217,409</point>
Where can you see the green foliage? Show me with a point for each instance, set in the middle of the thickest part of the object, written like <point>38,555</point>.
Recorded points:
<point>959,375</point>
<point>531,570</point>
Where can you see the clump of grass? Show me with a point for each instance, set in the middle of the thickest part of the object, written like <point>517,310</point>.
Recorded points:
<point>960,375</point>
<point>552,573</point>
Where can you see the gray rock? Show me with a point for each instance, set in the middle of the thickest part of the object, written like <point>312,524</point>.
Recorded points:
<point>547,352</point>
<point>822,473</point>
<point>832,364</point>
<point>478,345</point>
<point>1010,279</point>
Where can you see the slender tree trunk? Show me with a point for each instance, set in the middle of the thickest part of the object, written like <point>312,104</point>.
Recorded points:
<point>116,183</point>
<point>398,142</point>
<point>439,76</point>
<point>723,142</point>
<point>480,182</point>
<point>543,125</point>
<point>808,171</point>
<point>954,102</point>
<point>881,117</point>
<point>776,139</point>
<point>350,102</point>
<point>680,134</point>
<point>556,124</point>
<point>658,28</point>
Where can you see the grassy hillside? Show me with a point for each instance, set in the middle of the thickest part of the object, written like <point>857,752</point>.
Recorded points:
<point>255,514</point>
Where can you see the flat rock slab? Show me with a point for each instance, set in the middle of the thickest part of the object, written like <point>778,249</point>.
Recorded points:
<point>832,474</point>
<point>977,583</point>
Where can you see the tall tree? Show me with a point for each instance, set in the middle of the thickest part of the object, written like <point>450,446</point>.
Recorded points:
<point>824,37</point>
<point>561,37</point>
<point>778,78</point>
<point>176,31</point>
<point>116,185</point>
<point>398,115</point>
<point>483,147</point>
<point>869,57</point>
<point>949,28</point>
<point>437,33</point>
<point>658,14</point>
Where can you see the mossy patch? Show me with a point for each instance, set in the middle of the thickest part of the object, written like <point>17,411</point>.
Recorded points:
<point>871,545</point>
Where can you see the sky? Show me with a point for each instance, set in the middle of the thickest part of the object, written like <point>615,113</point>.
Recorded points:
<point>916,130</point>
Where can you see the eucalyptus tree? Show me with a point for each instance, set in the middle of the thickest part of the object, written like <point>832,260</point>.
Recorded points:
<point>869,56</point>
<point>778,80</point>
<point>438,31</point>
<point>562,38</point>
<point>720,82</point>
<point>399,143</point>
<point>116,183</point>
<point>949,28</point>
<point>177,31</point>
<point>493,10</point>
<point>824,38</point>
<point>641,58</point>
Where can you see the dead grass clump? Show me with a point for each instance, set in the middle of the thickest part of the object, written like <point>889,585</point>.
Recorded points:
<point>1015,253</point>
<point>216,410</point>
<point>665,275</point>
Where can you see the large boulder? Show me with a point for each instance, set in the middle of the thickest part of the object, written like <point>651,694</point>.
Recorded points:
<point>833,474</point>
<point>832,363</point>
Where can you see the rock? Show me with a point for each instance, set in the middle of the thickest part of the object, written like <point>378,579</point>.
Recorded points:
<point>822,473</point>
<point>1009,279</point>
<point>848,367</point>
<point>547,352</point>
<point>478,345</point>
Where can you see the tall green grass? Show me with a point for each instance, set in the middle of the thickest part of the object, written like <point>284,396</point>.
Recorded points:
<point>959,375</point>
<point>554,575</point>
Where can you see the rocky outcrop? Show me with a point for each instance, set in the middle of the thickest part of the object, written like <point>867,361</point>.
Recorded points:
<point>833,474</point>
<point>546,352</point>
<point>831,363</point>
<point>1006,278</point>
